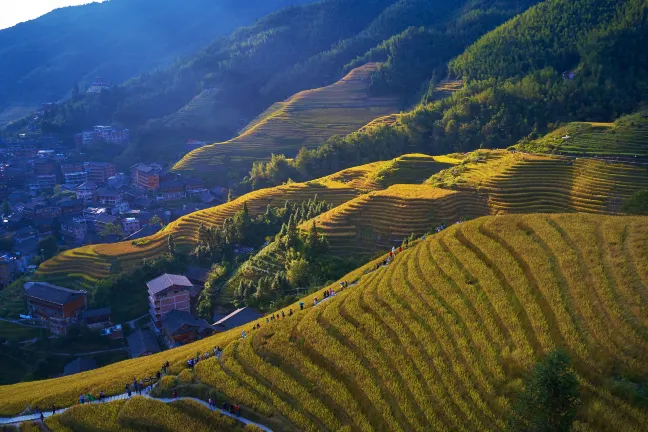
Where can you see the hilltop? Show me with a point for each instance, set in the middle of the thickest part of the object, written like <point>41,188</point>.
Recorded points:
<point>442,336</point>
<point>115,40</point>
<point>304,120</point>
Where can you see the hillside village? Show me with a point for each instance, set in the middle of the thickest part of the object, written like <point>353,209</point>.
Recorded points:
<point>345,215</point>
<point>52,201</point>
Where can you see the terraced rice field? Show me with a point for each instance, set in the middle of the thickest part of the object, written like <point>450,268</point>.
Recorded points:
<point>83,266</point>
<point>306,119</point>
<point>626,138</point>
<point>384,218</point>
<point>440,338</point>
<point>446,88</point>
<point>505,183</point>
<point>87,264</point>
<point>140,413</point>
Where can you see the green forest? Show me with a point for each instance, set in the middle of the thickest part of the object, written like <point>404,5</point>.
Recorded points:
<point>517,84</point>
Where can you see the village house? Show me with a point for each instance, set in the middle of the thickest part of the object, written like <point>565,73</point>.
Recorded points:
<point>142,343</point>
<point>146,176</point>
<point>11,264</point>
<point>100,172</point>
<point>58,307</point>
<point>109,196</point>
<point>46,181</point>
<point>166,293</point>
<point>99,85</point>
<point>119,179</point>
<point>40,209</point>
<point>130,225</point>
<point>180,327</point>
<point>171,189</point>
<point>71,206</point>
<point>101,220</point>
<point>93,318</point>
<point>74,229</point>
<point>237,318</point>
<point>87,191</point>
<point>74,174</point>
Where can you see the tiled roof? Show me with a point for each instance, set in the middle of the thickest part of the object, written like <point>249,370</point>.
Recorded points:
<point>51,293</point>
<point>167,280</point>
<point>238,318</point>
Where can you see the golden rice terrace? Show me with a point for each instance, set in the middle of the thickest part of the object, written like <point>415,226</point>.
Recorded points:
<point>440,338</point>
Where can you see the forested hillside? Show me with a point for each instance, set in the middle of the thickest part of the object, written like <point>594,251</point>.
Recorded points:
<point>560,61</point>
<point>114,40</point>
<point>216,91</point>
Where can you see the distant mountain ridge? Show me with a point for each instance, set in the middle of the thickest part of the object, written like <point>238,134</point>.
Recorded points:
<point>117,39</point>
<point>294,49</point>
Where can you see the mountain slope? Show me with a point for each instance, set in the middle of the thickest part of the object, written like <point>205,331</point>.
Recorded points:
<point>592,70</point>
<point>304,120</point>
<point>114,40</point>
<point>286,52</point>
<point>441,337</point>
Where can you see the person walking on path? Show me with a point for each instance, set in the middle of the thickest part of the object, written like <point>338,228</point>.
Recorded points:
<point>141,386</point>
<point>53,409</point>
<point>42,417</point>
<point>101,396</point>
<point>290,312</point>
<point>128,390</point>
<point>301,305</point>
<point>175,393</point>
<point>283,315</point>
<point>81,399</point>
<point>158,375</point>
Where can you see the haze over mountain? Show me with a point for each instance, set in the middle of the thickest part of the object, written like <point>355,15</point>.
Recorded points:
<point>13,12</point>
<point>113,40</point>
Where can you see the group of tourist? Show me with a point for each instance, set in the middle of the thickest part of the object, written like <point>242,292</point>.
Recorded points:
<point>192,362</point>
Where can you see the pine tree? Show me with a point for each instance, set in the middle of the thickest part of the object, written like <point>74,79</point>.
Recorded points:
<point>230,195</point>
<point>171,244</point>
<point>550,398</point>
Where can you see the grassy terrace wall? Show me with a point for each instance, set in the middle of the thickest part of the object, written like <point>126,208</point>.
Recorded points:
<point>441,337</point>
<point>306,119</point>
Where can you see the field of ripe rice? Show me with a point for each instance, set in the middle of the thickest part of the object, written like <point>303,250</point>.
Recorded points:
<point>440,338</point>
<point>384,218</point>
<point>306,119</point>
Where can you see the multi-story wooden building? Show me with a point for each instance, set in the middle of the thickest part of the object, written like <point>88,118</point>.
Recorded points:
<point>58,307</point>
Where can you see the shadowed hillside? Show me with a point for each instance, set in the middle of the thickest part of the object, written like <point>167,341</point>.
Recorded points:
<point>306,119</point>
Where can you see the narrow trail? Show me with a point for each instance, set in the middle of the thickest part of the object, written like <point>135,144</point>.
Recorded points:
<point>124,396</point>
